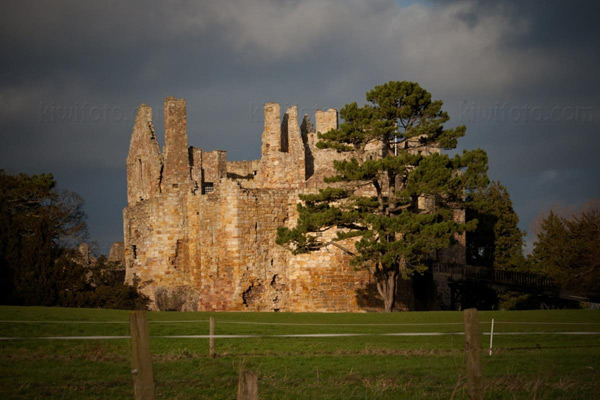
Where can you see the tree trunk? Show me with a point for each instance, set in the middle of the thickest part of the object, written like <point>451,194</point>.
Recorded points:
<point>388,303</point>
<point>386,287</point>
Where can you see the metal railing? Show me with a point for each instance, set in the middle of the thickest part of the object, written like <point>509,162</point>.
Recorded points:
<point>491,275</point>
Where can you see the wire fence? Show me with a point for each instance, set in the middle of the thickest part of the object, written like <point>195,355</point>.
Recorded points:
<point>304,335</point>
<point>291,323</point>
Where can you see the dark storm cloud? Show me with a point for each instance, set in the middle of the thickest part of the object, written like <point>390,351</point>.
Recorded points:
<point>512,71</point>
<point>546,155</point>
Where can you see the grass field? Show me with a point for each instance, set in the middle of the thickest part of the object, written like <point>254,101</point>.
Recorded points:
<point>533,363</point>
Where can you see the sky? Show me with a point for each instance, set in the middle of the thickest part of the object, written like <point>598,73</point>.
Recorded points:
<point>523,76</point>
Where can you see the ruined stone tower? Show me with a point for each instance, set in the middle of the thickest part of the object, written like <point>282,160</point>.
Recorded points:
<point>200,231</point>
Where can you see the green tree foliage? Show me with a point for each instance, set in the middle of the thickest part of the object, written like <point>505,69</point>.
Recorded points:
<point>497,241</point>
<point>38,227</point>
<point>551,250</point>
<point>373,197</point>
<point>568,251</point>
<point>36,222</point>
<point>100,284</point>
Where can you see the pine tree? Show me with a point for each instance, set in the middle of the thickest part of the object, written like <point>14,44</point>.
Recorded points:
<point>584,251</point>
<point>497,242</point>
<point>567,251</point>
<point>394,160</point>
<point>550,254</point>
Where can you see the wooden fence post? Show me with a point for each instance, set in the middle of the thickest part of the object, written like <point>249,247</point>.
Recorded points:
<point>211,339</point>
<point>141,361</point>
<point>491,336</point>
<point>473,355</point>
<point>597,391</point>
<point>248,386</point>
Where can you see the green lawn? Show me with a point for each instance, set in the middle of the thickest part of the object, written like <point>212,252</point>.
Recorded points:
<point>524,366</point>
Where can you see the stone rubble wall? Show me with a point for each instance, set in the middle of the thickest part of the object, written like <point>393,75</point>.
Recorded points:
<point>214,165</point>
<point>117,253</point>
<point>242,169</point>
<point>456,253</point>
<point>282,162</point>
<point>176,173</point>
<point>144,161</point>
<point>322,159</point>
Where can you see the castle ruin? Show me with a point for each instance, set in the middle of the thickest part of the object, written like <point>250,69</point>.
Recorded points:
<point>200,231</point>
